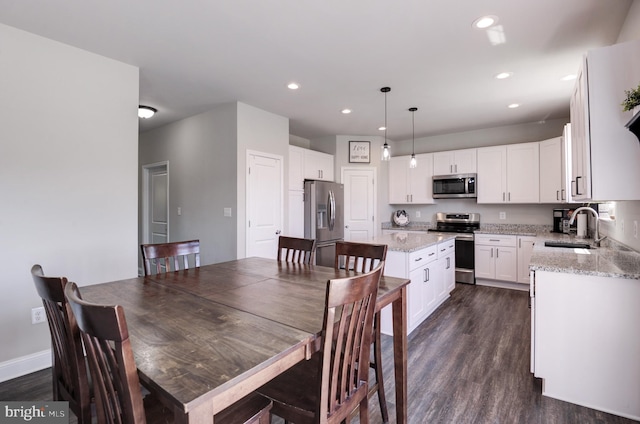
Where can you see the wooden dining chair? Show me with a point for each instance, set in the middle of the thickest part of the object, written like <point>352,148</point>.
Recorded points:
<point>173,256</point>
<point>363,257</point>
<point>298,250</point>
<point>329,386</point>
<point>114,373</point>
<point>68,365</point>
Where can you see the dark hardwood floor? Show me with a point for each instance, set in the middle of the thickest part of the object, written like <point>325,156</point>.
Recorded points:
<point>468,363</point>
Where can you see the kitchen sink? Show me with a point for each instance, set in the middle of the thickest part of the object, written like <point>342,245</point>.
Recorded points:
<point>567,244</point>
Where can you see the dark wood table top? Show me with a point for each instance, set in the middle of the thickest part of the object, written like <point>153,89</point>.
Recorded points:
<point>204,337</point>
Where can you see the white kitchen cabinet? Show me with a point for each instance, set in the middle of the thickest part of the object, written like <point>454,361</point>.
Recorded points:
<point>296,168</point>
<point>551,159</point>
<point>447,262</point>
<point>455,162</point>
<point>318,165</point>
<point>431,281</point>
<point>411,185</point>
<point>603,151</point>
<point>585,343</point>
<point>509,174</point>
<point>496,257</point>
<point>525,250</point>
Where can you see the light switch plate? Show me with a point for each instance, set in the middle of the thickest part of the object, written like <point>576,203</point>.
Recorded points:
<point>503,215</point>
<point>227,211</point>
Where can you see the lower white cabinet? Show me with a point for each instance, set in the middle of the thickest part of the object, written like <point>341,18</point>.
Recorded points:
<point>525,250</point>
<point>495,257</point>
<point>432,275</point>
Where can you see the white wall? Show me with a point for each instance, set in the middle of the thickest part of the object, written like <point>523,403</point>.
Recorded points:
<point>68,180</point>
<point>201,151</point>
<point>264,132</point>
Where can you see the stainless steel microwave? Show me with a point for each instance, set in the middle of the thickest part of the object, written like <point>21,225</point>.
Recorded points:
<point>454,186</point>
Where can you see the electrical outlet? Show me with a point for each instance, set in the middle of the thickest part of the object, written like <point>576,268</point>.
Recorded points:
<point>503,215</point>
<point>417,214</point>
<point>38,315</point>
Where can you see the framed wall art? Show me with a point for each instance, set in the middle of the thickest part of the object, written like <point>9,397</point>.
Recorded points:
<point>359,152</point>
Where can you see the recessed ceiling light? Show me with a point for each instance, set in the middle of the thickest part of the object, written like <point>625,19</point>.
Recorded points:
<point>504,75</point>
<point>346,111</point>
<point>569,77</point>
<point>513,105</point>
<point>146,112</point>
<point>382,128</point>
<point>293,86</point>
<point>485,21</point>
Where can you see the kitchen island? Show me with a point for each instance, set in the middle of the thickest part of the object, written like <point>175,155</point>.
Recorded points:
<point>585,312</point>
<point>428,260</point>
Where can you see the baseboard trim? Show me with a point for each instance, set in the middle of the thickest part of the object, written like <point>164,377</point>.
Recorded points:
<point>25,365</point>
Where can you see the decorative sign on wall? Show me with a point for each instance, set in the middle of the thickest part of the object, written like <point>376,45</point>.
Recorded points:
<point>359,152</point>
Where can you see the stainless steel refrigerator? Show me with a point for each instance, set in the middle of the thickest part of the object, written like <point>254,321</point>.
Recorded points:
<point>324,218</point>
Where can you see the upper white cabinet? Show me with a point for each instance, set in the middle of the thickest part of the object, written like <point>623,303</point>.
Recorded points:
<point>604,152</point>
<point>411,185</point>
<point>509,174</point>
<point>318,165</point>
<point>552,189</point>
<point>455,162</point>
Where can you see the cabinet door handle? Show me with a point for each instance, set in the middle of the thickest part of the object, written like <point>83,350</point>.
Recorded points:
<point>497,252</point>
<point>451,168</point>
<point>503,196</point>
<point>448,262</point>
<point>562,195</point>
<point>577,192</point>
<point>432,253</point>
<point>491,252</point>
<point>494,239</point>
<point>557,194</point>
<point>520,243</point>
<point>572,183</point>
<point>418,259</point>
<point>509,196</point>
<point>456,165</point>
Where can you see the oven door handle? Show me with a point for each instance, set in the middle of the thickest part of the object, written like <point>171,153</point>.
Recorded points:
<point>465,237</point>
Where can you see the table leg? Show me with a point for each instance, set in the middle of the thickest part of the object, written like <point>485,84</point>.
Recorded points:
<point>203,414</point>
<point>399,311</point>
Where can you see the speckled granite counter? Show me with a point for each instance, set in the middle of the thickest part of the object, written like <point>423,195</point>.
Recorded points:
<point>410,242</point>
<point>514,229</point>
<point>412,226</point>
<point>610,260</point>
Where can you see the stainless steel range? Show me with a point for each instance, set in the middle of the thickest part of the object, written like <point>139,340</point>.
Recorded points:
<point>463,224</point>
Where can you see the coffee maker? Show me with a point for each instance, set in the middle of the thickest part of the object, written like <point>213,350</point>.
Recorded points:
<point>561,219</point>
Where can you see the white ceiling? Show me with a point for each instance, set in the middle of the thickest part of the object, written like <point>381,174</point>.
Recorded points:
<point>194,55</point>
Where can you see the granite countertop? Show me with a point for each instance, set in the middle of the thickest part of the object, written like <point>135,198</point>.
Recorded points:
<point>610,260</point>
<point>514,229</point>
<point>410,242</point>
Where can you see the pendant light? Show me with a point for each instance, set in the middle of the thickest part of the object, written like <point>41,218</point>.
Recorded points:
<point>413,162</point>
<point>386,151</point>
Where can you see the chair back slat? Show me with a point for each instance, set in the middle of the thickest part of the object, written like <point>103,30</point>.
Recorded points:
<point>296,250</point>
<point>359,257</point>
<point>111,361</point>
<point>347,334</point>
<point>70,381</point>
<point>167,257</point>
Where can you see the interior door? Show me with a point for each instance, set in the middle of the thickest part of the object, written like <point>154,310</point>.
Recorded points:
<point>359,203</point>
<point>264,204</point>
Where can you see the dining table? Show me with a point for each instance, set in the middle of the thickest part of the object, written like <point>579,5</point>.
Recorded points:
<point>205,337</point>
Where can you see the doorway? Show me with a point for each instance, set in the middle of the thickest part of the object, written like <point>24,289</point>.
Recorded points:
<point>155,203</point>
<point>359,203</point>
<point>264,204</point>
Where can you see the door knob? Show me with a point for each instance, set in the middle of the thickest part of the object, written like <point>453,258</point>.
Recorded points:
<point>346,226</point>
<point>278,231</point>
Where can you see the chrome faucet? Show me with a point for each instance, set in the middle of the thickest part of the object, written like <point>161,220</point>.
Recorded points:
<point>596,236</point>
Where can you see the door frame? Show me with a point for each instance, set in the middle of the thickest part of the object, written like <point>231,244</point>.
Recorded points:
<point>249,153</point>
<point>146,173</point>
<point>374,170</point>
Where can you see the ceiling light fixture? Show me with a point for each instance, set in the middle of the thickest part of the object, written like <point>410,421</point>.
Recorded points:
<point>513,105</point>
<point>504,75</point>
<point>485,22</point>
<point>293,86</point>
<point>346,111</point>
<point>569,77</point>
<point>413,162</point>
<point>146,112</point>
<point>386,151</point>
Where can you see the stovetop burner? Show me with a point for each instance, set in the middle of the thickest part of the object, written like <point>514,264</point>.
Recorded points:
<point>457,222</point>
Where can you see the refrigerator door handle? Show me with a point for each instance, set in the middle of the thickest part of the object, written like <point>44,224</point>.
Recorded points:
<point>332,210</point>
